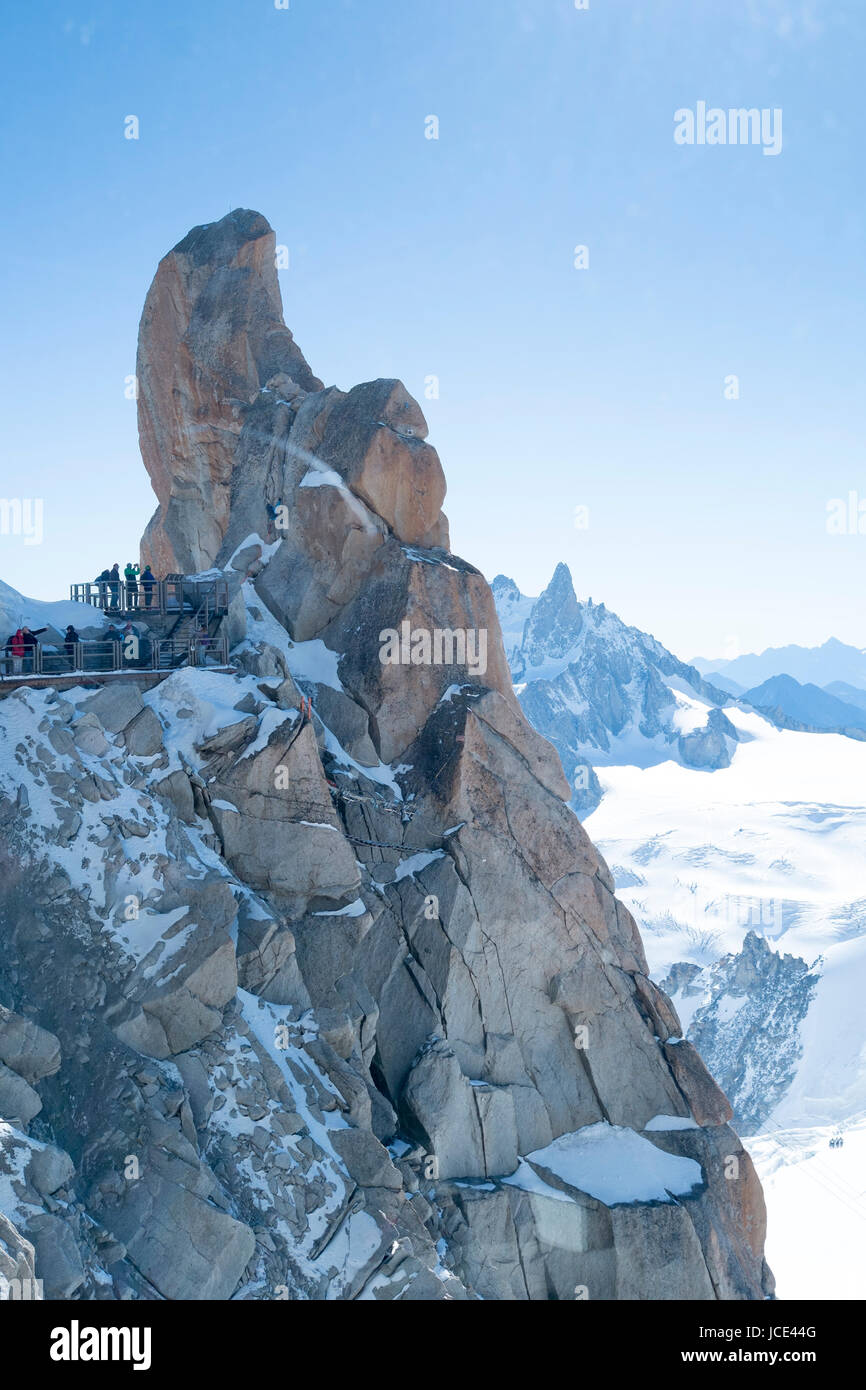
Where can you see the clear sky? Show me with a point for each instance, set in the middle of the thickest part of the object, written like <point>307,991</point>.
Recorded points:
<point>410,257</point>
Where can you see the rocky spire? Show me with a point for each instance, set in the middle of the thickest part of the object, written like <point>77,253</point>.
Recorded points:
<point>556,620</point>
<point>211,336</point>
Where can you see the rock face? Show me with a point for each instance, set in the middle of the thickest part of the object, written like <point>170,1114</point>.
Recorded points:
<point>328,992</point>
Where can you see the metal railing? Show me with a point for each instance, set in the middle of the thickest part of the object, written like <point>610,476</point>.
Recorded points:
<point>91,658</point>
<point>174,595</point>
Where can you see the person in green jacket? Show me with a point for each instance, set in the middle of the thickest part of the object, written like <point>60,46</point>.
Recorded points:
<point>130,574</point>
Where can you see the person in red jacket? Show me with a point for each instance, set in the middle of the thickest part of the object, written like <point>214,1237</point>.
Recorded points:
<point>15,648</point>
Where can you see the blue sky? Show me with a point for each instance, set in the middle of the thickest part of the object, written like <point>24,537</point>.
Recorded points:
<point>411,257</point>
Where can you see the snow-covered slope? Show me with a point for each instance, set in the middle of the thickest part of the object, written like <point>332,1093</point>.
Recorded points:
<point>774,841</point>
<point>771,845</point>
<point>816,1210</point>
<point>17,611</point>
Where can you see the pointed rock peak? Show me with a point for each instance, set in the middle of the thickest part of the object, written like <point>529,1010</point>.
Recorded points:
<point>211,339</point>
<point>561,587</point>
<point>556,620</point>
<point>503,587</point>
<point>219,242</point>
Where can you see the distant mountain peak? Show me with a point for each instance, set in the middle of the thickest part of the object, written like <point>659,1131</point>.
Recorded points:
<point>833,660</point>
<point>604,692</point>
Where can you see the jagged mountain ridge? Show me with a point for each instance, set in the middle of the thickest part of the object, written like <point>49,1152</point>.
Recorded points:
<point>744,1014</point>
<point>603,692</point>
<point>355,991</point>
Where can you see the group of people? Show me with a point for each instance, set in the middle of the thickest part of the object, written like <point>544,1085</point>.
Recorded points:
<point>23,654</point>
<point>134,578</point>
<point>19,650</point>
<point>136,654</point>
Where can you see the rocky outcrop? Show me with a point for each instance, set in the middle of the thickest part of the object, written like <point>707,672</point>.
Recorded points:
<point>230,415</point>
<point>211,337</point>
<point>745,1014</point>
<point>709,747</point>
<point>354,991</point>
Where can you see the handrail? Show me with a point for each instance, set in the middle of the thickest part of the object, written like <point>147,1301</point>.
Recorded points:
<point>164,596</point>
<point>96,657</point>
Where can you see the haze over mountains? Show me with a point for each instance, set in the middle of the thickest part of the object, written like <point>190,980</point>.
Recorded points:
<point>788,702</point>
<point>832,661</point>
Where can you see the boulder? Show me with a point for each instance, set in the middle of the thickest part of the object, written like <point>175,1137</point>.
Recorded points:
<point>187,1248</point>
<point>115,705</point>
<point>17,1263</point>
<point>176,791</point>
<point>143,735</point>
<point>347,721</point>
<point>267,963</point>
<point>176,993</point>
<point>432,593</point>
<point>89,737</point>
<point>58,1259</point>
<point>468,1126</point>
<point>274,815</point>
<point>375,439</point>
<point>50,1168</point>
<point>709,1104</point>
<point>245,557</point>
<point>367,1161</point>
<point>18,1101</point>
<point>323,560</point>
<point>29,1050</point>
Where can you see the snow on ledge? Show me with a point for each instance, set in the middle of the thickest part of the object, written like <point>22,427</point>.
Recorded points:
<point>618,1166</point>
<point>416,862</point>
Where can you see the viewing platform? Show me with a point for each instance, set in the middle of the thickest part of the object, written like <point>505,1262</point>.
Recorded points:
<point>176,621</point>
<point>105,661</point>
<point>175,594</point>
